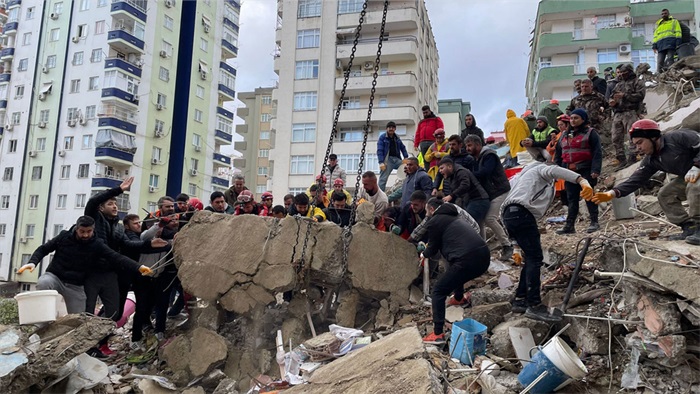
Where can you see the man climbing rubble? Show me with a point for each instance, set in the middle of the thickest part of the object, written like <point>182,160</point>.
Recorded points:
<point>531,194</point>
<point>676,152</point>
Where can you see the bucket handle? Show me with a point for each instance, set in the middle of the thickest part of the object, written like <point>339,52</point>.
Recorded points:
<point>533,348</point>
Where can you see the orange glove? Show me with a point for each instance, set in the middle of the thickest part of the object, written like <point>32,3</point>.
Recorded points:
<point>586,189</point>
<point>145,271</point>
<point>25,267</point>
<point>603,197</point>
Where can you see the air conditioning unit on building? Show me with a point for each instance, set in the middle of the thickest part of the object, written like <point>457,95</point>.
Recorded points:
<point>206,28</point>
<point>154,161</point>
<point>54,15</point>
<point>23,240</point>
<point>32,153</point>
<point>369,65</point>
<point>159,107</point>
<point>42,125</point>
<point>83,121</point>
<point>42,96</point>
<point>75,39</point>
<point>158,133</point>
<point>151,189</point>
<point>61,153</point>
<point>45,70</point>
<point>197,148</point>
<point>193,172</point>
<point>203,74</point>
<point>9,127</point>
<point>338,64</point>
<point>169,3</point>
<point>163,54</point>
<point>72,123</point>
<point>624,49</point>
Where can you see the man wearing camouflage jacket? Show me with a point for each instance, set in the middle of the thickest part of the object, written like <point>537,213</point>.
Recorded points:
<point>592,102</point>
<point>626,101</point>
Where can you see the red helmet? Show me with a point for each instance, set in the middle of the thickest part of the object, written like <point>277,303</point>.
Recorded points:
<point>564,118</point>
<point>196,203</point>
<point>338,182</point>
<point>321,178</point>
<point>439,132</point>
<point>244,197</point>
<point>266,196</point>
<point>645,128</point>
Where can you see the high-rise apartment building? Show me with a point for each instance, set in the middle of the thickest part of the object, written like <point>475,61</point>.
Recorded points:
<point>255,162</point>
<point>94,91</point>
<point>314,40</point>
<point>571,36</point>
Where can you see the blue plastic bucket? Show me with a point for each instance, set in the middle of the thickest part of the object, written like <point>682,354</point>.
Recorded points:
<point>468,340</point>
<point>561,363</point>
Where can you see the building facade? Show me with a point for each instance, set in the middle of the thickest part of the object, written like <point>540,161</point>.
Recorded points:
<point>94,91</point>
<point>452,113</point>
<point>314,43</point>
<point>570,36</point>
<point>254,163</point>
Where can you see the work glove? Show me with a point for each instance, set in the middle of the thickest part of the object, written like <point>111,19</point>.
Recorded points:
<point>603,197</point>
<point>25,267</point>
<point>395,229</point>
<point>586,189</point>
<point>145,271</point>
<point>382,167</point>
<point>692,175</point>
<point>421,246</point>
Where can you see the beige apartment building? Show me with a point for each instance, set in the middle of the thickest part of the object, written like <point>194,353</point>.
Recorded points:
<point>314,41</point>
<point>254,163</point>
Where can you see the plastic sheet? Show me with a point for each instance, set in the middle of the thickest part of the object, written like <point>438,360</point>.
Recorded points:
<point>116,140</point>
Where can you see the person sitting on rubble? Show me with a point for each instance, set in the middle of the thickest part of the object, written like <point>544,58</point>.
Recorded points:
<point>465,190</point>
<point>279,212</point>
<point>218,204</point>
<point>339,186</point>
<point>265,206</point>
<point>538,139</point>
<point>339,211</point>
<point>531,194</point>
<point>580,151</point>
<point>459,155</point>
<point>78,252</point>
<point>411,215</point>
<point>245,204</point>
<point>439,149</point>
<point>302,208</point>
<point>370,191</point>
<point>677,152</point>
<point>467,256</point>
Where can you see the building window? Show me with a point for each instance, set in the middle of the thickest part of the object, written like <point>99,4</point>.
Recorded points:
<point>608,55</point>
<point>305,101</point>
<point>13,15</point>
<point>51,61</point>
<point>153,181</point>
<point>82,31</point>
<point>198,116</point>
<point>303,132</point>
<point>349,162</point>
<point>83,170</point>
<point>199,91</point>
<point>192,189</point>
<point>604,21</point>
<point>4,202</point>
<point>23,64</point>
<point>90,111</point>
<point>58,8</point>
<point>203,44</point>
<point>73,113</point>
<point>309,8</point>
<point>101,3</point>
<point>30,13</point>
<point>55,34</point>
<point>350,6</point>
<point>225,125</point>
<point>68,143</point>
<point>266,100</point>
<point>80,200</point>
<point>383,101</point>
<point>100,27</point>
<point>61,201</point>
<point>84,5</point>
<point>167,47</point>
<point>155,154</point>
<point>638,30</point>
<point>78,58</point>
<point>227,79</point>
<point>44,116</point>
<point>3,230</point>
<point>36,173</point>
<point>161,99</point>
<point>33,201</point>
<point>194,164</point>
<point>57,228</point>
<point>644,56</point>
<point>151,206</point>
<point>303,164</point>
<point>15,118</point>
<point>96,56</point>
<point>8,174</point>
<point>265,117</point>
<point>94,83</point>
<point>296,190</point>
<point>12,146</point>
<point>164,74</point>
<point>75,86</point>
<point>41,144</point>
<point>263,153</point>
<point>351,102</point>
<point>27,39</point>
<point>19,91</point>
<point>65,172</point>
<point>351,134</point>
<point>168,23</point>
<point>265,135</point>
<point>197,140</point>
<point>306,69</point>
<point>87,141</point>
<point>260,189</point>
<point>545,62</point>
<point>262,171</point>
<point>160,126</point>
<point>310,38</point>
<point>29,230</point>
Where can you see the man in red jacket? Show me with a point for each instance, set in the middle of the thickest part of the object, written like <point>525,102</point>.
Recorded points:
<point>424,132</point>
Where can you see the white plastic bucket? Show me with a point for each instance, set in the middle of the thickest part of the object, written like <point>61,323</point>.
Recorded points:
<point>561,355</point>
<point>621,207</point>
<point>40,306</point>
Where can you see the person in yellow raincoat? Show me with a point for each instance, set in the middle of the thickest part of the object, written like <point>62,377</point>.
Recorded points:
<point>436,151</point>
<point>516,130</point>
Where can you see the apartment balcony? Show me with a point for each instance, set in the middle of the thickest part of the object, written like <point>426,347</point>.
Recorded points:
<point>117,116</point>
<point>241,128</point>
<point>129,9</point>
<point>555,43</point>
<point>113,157</point>
<point>228,22</point>
<point>403,114</point>
<point>396,19</point>
<point>226,93</point>
<point>395,49</point>
<point>387,83</point>
<point>123,65</point>
<point>228,68</point>
<point>105,182</point>
<point>225,113</point>
<point>10,29</point>
<point>122,41</point>
<point>13,4</point>
<point>7,54</point>
<point>5,77</point>
<point>228,50</point>
<point>233,3</point>
<point>574,9</point>
<point>239,163</point>
<point>221,160</point>
<point>215,180</point>
<point>117,95</point>
<point>3,105</point>
<point>222,137</point>
<point>240,146</point>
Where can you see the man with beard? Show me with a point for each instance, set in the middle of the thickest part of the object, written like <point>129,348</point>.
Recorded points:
<point>471,128</point>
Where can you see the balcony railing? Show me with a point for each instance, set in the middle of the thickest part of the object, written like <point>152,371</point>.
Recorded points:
<point>117,112</point>
<point>123,64</point>
<point>139,5</point>
<point>127,35</point>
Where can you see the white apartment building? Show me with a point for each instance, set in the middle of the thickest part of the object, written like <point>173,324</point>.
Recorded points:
<point>314,40</point>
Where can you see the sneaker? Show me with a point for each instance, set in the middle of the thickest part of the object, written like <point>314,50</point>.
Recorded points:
<point>689,228</point>
<point>593,227</point>
<point>137,345</point>
<point>518,306</point>
<point>506,252</point>
<point>434,339</point>
<point>465,301</point>
<point>95,352</point>
<point>541,313</point>
<point>568,229</point>
<point>106,350</point>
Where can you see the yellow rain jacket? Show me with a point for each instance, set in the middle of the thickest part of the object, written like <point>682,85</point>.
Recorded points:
<point>516,130</point>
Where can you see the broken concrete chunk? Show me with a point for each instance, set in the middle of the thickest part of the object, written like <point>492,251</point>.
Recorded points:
<point>196,352</point>
<point>487,296</point>
<point>226,386</point>
<point>500,339</point>
<point>489,315</point>
<point>591,336</point>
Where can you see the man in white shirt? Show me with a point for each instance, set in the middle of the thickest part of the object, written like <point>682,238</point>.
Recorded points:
<point>371,192</point>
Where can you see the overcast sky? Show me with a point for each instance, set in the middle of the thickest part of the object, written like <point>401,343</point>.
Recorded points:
<point>483,48</point>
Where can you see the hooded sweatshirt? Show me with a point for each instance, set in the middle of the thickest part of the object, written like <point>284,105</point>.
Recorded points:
<point>453,237</point>
<point>473,130</point>
<point>516,131</point>
<point>551,112</point>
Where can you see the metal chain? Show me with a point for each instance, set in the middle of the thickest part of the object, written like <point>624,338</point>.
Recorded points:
<point>353,209</point>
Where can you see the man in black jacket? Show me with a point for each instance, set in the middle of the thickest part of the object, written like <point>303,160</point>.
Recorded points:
<point>339,211</point>
<point>599,84</point>
<point>471,128</point>
<point>78,253</point>
<point>459,156</point>
<point>465,190</point>
<point>466,253</point>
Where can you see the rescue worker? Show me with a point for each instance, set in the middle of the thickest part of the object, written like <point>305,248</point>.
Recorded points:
<point>245,204</point>
<point>579,150</point>
<point>370,191</point>
<point>676,152</point>
<point>516,130</point>
<point>439,149</point>
<point>555,135</point>
<point>592,102</point>
<point>339,186</point>
<point>626,101</point>
<point>302,208</point>
<point>667,37</point>
<point>536,143</point>
<point>265,206</point>
<point>424,133</point>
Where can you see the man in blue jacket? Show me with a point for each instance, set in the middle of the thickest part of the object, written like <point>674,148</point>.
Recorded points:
<point>389,151</point>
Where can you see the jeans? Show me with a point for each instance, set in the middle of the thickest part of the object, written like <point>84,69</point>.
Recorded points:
<point>453,280</point>
<point>105,285</point>
<point>423,146</point>
<point>392,163</point>
<point>478,210</point>
<point>672,194</point>
<point>73,295</point>
<point>491,221</point>
<point>522,227</point>
<point>573,196</point>
<point>663,57</point>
